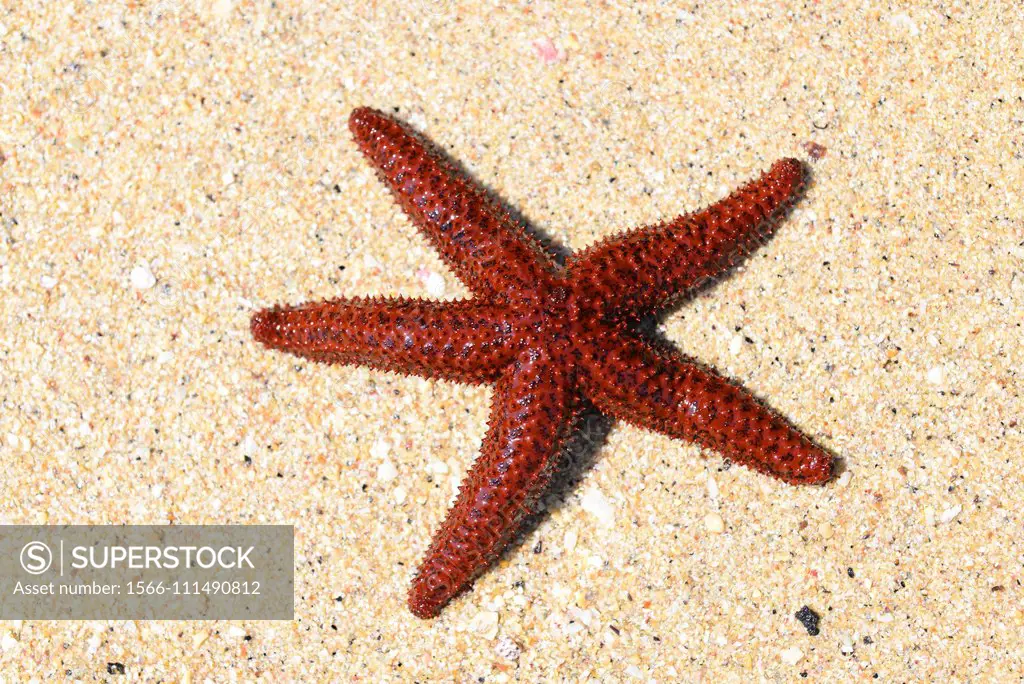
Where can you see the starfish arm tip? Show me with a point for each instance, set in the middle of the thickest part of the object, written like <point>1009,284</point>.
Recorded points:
<point>790,172</point>
<point>814,466</point>
<point>262,326</point>
<point>821,467</point>
<point>430,592</point>
<point>360,117</point>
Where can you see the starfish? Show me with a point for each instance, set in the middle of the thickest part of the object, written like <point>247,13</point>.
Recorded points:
<point>554,339</point>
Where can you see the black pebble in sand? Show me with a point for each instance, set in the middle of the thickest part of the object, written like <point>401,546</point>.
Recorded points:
<point>809,619</point>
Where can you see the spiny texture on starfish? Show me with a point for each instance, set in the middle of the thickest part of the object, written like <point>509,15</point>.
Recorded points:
<point>552,339</point>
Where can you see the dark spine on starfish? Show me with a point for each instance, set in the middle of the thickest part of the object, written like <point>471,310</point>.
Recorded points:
<point>491,253</point>
<point>465,341</point>
<point>531,416</point>
<point>639,272</point>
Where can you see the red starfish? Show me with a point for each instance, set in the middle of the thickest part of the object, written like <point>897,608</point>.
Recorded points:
<point>552,338</point>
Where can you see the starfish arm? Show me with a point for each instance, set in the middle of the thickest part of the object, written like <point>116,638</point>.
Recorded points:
<point>664,392</point>
<point>480,242</point>
<point>531,414</point>
<point>466,341</point>
<point>640,271</point>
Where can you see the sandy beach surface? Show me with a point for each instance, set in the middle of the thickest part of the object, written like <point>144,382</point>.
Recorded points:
<point>168,168</point>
